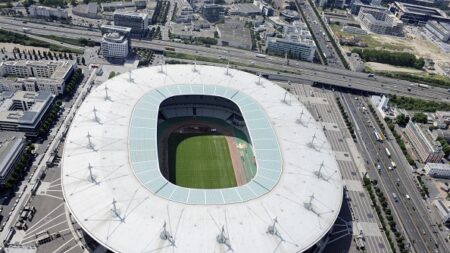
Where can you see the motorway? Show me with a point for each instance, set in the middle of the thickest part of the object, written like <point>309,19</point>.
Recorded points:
<point>412,214</point>
<point>275,67</point>
<point>321,38</point>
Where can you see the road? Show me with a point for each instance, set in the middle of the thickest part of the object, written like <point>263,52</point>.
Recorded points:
<point>410,213</point>
<point>322,40</point>
<point>41,167</point>
<point>275,66</point>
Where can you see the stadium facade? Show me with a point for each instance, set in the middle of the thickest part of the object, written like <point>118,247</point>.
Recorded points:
<point>114,188</point>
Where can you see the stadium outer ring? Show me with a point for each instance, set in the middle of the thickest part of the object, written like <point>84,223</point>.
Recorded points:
<point>115,208</point>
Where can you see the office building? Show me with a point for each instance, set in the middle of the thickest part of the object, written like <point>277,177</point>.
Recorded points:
<point>425,147</point>
<point>120,5</point>
<point>213,12</point>
<point>185,13</point>
<point>439,29</point>
<point>417,14</point>
<point>138,22</point>
<point>23,111</point>
<point>438,170</point>
<point>115,45</point>
<point>296,43</point>
<point>233,33</point>
<point>12,146</point>
<point>244,10</point>
<point>357,5</point>
<point>380,21</point>
<point>36,75</point>
<point>89,10</point>
<point>443,211</point>
<point>47,12</point>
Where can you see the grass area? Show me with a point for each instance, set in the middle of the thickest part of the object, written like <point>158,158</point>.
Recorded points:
<point>16,38</point>
<point>200,161</point>
<point>76,42</point>
<point>370,40</point>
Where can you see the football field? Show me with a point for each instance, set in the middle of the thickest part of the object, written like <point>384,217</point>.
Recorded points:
<point>200,161</point>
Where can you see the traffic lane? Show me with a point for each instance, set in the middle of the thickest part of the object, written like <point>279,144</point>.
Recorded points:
<point>385,163</point>
<point>386,183</point>
<point>408,186</point>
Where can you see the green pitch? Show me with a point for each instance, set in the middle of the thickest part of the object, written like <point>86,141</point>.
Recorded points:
<point>200,161</point>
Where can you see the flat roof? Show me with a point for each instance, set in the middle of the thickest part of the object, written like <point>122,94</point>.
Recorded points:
<point>114,189</point>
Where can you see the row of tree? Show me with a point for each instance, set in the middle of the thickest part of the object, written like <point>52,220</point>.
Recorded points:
<point>403,59</point>
<point>414,104</point>
<point>73,83</point>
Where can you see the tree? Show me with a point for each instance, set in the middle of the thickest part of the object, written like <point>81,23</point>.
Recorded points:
<point>420,118</point>
<point>402,119</point>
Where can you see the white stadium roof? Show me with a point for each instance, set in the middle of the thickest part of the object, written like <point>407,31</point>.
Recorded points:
<point>113,187</point>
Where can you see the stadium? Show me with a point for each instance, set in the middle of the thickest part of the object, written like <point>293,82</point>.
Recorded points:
<point>189,158</point>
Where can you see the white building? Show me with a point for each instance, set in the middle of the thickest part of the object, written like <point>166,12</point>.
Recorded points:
<point>443,210</point>
<point>185,12</point>
<point>439,29</point>
<point>47,12</point>
<point>36,75</point>
<point>23,111</point>
<point>440,170</point>
<point>426,148</point>
<point>115,45</point>
<point>380,21</point>
<point>296,42</point>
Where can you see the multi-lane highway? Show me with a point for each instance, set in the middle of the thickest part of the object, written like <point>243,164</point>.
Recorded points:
<point>409,211</point>
<point>274,66</point>
<point>321,38</point>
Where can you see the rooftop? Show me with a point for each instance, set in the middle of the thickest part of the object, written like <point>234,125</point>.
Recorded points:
<point>125,209</point>
<point>9,143</point>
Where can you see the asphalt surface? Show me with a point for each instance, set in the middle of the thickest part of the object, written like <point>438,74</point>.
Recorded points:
<point>414,219</point>
<point>274,66</point>
<point>321,37</point>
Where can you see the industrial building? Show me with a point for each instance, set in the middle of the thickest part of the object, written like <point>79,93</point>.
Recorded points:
<point>438,170</point>
<point>296,43</point>
<point>36,75</point>
<point>213,12</point>
<point>439,29</point>
<point>138,22</point>
<point>12,146</point>
<point>23,111</point>
<point>380,21</point>
<point>425,147</point>
<point>115,180</point>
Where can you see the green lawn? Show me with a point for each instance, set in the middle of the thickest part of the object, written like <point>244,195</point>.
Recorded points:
<point>200,161</point>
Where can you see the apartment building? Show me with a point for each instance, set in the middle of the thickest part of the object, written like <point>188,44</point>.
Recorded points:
<point>426,148</point>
